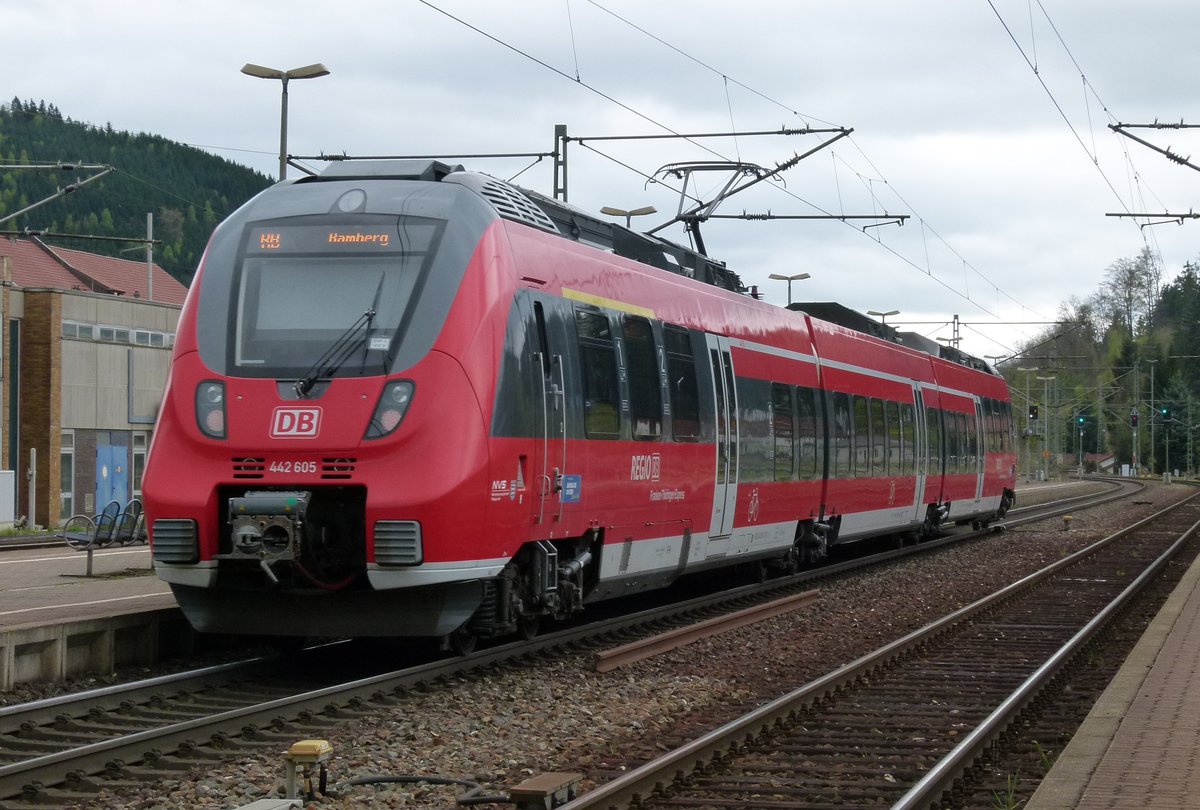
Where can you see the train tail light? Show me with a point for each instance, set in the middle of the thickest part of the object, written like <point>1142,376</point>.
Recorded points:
<point>393,404</point>
<point>210,408</point>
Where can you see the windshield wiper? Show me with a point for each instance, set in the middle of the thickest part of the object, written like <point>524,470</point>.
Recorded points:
<point>341,349</point>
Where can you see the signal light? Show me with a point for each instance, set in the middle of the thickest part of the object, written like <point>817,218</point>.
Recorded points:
<point>1081,419</point>
<point>1133,417</point>
<point>1033,411</point>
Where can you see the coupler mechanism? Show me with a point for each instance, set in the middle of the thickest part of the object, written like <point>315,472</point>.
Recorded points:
<point>267,526</point>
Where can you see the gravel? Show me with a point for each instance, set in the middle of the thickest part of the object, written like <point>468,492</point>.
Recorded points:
<point>560,715</point>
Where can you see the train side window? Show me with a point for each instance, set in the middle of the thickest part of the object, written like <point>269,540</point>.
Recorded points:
<point>862,437</point>
<point>783,420</point>
<point>645,385</point>
<point>994,435</point>
<point>1001,434</point>
<point>809,434</point>
<point>951,439</point>
<point>543,341</point>
<point>598,363</point>
<point>933,430</point>
<point>879,433</point>
<point>895,463</point>
<point>840,425</point>
<point>907,439</point>
<point>972,443</point>
<point>682,390</point>
<point>991,437</point>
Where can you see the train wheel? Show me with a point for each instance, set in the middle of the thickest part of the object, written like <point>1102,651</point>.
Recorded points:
<point>930,528</point>
<point>462,641</point>
<point>1006,503</point>
<point>529,626</point>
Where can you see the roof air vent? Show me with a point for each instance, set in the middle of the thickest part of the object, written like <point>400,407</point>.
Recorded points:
<point>508,200</point>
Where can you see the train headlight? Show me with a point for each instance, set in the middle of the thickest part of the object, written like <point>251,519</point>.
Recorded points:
<point>393,404</point>
<point>210,408</point>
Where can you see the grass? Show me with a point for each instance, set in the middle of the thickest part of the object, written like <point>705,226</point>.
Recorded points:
<point>1007,800</point>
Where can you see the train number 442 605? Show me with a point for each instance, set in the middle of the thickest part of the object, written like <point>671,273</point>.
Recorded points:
<point>299,467</point>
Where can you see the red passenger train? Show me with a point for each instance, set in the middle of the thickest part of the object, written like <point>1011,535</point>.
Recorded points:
<point>412,400</point>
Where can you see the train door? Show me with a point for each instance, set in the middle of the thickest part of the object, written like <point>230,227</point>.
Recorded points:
<point>980,434</point>
<point>550,415</point>
<point>935,456</point>
<point>921,453</point>
<point>726,462</point>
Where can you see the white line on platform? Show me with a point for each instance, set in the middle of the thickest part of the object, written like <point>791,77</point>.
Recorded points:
<point>84,604</point>
<point>65,557</point>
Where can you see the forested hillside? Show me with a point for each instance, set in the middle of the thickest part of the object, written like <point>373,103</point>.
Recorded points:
<point>1119,373</point>
<point>187,189</point>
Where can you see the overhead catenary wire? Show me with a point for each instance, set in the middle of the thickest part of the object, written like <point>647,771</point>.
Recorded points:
<point>727,79</point>
<point>928,229</point>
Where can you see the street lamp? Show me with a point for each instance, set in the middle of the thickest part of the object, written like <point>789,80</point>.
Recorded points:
<point>1028,428</point>
<point>1046,429</point>
<point>1153,454</point>
<point>306,72</point>
<point>883,316</point>
<point>789,280</point>
<point>629,215</point>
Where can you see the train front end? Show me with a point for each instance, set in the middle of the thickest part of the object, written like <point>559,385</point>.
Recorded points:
<point>318,419</point>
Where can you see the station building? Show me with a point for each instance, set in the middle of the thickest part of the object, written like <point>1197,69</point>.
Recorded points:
<point>85,346</point>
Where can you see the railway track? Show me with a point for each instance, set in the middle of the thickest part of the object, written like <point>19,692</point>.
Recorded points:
<point>909,725</point>
<point>51,750</point>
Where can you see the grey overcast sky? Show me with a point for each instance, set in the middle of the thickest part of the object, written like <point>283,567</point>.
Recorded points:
<point>984,121</point>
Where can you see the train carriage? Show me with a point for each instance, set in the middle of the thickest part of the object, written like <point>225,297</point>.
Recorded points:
<point>410,400</point>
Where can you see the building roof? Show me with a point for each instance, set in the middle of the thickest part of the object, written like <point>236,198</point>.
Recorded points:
<point>30,262</point>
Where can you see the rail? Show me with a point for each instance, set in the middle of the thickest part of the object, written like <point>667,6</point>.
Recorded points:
<point>639,786</point>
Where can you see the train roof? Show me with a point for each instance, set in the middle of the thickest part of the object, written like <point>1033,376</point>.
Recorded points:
<point>558,217</point>
<point>852,319</point>
<point>547,214</point>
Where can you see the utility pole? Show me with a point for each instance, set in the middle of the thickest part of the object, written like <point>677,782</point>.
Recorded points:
<point>149,256</point>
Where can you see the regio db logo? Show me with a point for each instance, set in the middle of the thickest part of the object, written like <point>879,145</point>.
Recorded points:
<point>646,467</point>
<point>295,423</point>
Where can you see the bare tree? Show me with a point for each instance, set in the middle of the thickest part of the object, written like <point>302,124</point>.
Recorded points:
<point>1129,292</point>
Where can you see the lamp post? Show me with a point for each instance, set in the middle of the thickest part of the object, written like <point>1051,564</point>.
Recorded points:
<point>883,316</point>
<point>629,215</point>
<point>1045,431</point>
<point>1153,411</point>
<point>306,72</point>
<point>1028,430</point>
<point>789,280</point>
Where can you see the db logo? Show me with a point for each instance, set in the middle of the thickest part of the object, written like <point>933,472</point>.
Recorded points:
<point>295,423</point>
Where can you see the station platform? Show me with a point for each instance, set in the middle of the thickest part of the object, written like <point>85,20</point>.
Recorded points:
<point>48,584</point>
<point>1140,745</point>
<point>57,622</point>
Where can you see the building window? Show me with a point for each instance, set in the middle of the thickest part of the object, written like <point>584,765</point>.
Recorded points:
<point>139,462</point>
<point>66,484</point>
<point>117,334</point>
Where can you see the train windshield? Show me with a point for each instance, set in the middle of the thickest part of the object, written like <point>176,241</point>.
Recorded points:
<point>329,297</point>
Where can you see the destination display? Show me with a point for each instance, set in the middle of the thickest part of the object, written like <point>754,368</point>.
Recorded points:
<point>386,237</point>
